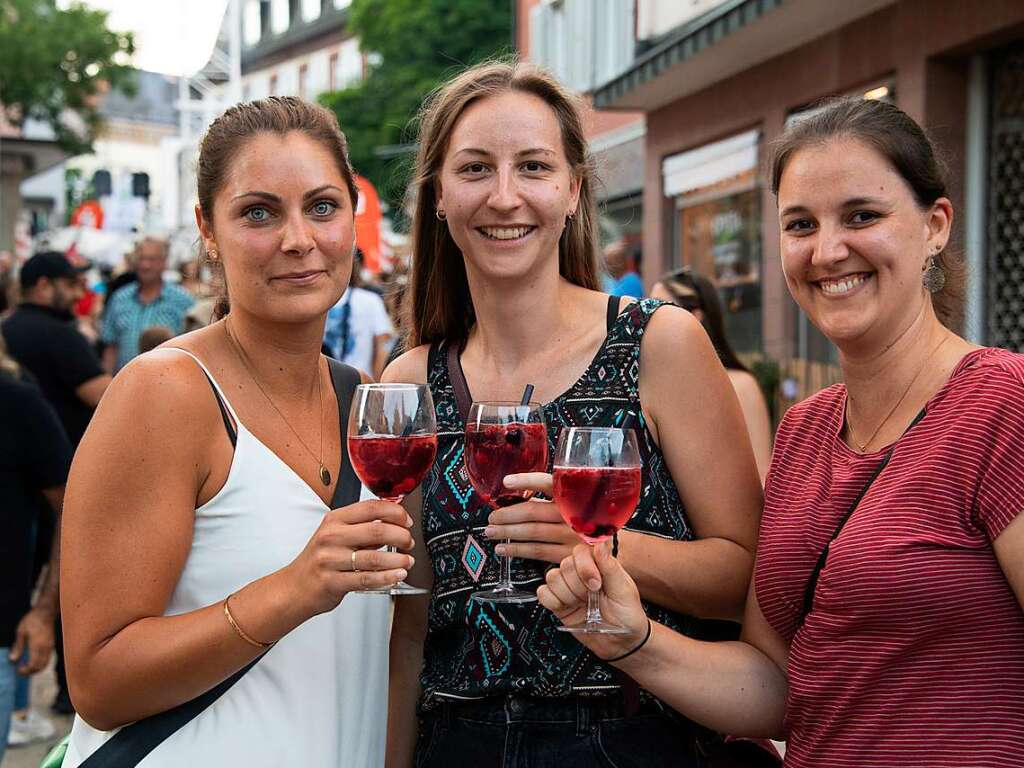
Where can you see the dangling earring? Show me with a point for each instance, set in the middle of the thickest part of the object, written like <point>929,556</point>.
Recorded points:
<point>212,254</point>
<point>441,215</point>
<point>934,278</point>
<point>569,217</point>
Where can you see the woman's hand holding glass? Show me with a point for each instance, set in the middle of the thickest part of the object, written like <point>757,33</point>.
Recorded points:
<point>344,554</point>
<point>534,529</point>
<point>594,568</point>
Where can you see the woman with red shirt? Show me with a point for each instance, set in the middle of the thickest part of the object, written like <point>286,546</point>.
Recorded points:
<point>884,624</point>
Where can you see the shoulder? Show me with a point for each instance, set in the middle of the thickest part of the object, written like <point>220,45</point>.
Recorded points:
<point>989,372</point>
<point>670,330</point>
<point>166,381</point>
<point>123,296</point>
<point>818,411</point>
<point>409,367</point>
<point>746,386</point>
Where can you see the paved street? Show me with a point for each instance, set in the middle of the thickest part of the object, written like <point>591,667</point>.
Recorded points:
<point>43,691</point>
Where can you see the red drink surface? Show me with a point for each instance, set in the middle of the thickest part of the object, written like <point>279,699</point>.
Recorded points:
<point>596,501</point>
<point>392,467</point>
<point>496,450</point>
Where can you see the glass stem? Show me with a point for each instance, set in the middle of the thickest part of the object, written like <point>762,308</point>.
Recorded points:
<point>593,607</point>
<point>505,582</point>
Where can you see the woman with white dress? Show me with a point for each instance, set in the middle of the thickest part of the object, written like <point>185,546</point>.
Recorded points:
<point>212,523</point>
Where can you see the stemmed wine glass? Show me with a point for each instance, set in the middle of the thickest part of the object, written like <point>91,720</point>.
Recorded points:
<point>597,487</point>
<point>504,438</point>
<point>392,441</point>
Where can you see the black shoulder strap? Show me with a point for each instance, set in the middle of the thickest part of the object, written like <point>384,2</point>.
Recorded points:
<point>232,434</point>
<point>812,580</point>
<point>345,379</point>
<point>613,311</point>
<point>463,399</point>
<point>134,742</point>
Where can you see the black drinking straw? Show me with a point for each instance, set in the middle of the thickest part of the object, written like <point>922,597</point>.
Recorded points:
<point>527,394</point>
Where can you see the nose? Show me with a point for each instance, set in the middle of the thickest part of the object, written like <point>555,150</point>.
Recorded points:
<point>505,192</point>
<point>831,247</point>
<point>297,236</point>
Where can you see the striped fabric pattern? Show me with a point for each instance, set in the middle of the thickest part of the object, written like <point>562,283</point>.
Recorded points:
<point>914,652</point>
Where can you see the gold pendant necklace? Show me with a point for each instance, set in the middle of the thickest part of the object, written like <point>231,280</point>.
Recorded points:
<point>861,446</point>
<point>325,475</point>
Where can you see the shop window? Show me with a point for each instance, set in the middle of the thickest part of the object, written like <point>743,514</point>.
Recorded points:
<point>717,227</point>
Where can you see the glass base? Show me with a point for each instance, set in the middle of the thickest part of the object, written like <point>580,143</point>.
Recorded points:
<point>399,589</point>
<point>596,628</point>
<point>504,595</point>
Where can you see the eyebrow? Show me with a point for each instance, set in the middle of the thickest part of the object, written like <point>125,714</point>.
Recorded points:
<point>275,199</point>
<point>851,203</point>
<point>485,153</point>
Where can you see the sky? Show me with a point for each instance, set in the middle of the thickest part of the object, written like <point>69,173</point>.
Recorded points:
<point>171,36</point>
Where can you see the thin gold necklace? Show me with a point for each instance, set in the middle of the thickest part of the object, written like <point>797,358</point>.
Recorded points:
<point>325,475</point>
<point>861,446</point>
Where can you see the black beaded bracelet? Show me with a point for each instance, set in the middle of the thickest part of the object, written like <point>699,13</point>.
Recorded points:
<point>650,626</point>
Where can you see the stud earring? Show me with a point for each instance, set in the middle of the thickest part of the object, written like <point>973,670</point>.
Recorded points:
<point>212,254</point>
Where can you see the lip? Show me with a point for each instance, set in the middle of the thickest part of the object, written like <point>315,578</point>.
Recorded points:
<point>531,228</point>
<point>307,277</point>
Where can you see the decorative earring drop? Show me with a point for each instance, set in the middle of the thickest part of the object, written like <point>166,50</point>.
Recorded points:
<point>934,278</point>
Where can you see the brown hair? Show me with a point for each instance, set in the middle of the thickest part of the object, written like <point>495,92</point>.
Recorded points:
<point>440,306</point>
<point>907,148</point>
<point>7,363</point>
<point>277,115</point>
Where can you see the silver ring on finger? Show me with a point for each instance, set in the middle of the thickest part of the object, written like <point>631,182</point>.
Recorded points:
<point>355,568</point>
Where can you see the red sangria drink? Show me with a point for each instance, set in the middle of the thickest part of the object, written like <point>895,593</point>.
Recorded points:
<point>596,501</point>
<point>597,488</point>
<point>392,467</point>
<point>392,442</point>
<point>504,439</point>
<point>496,450</point>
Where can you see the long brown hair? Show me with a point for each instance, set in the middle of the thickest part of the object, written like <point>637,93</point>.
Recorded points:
<point>441,306</point>
<point>906,147</point>
<point>277,115</point>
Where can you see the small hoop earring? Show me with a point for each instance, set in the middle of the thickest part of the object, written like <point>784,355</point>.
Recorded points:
<point>441,215</point>
<point>934,278</point>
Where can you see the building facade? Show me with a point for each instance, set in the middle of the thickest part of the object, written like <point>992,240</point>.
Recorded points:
<point>718,81</point>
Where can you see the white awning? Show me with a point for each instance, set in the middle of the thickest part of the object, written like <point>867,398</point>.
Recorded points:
<point>710,164</point>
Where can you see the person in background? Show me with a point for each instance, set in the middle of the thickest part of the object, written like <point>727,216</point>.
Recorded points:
<point>135,307</point>
<point>697,294</point>
<point>34,458</point>
<point>622,263</point>
<point>6,282</point>
<point>358,330</point>
<point>885,622</point>
<point>153,337</point>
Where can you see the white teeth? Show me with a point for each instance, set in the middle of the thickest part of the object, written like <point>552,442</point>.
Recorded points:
<point>843,285</point>
<point>505,233</point>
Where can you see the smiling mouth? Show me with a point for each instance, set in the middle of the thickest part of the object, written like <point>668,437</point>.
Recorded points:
<point>301,275</point>
<point>837,286</point>
<point>505,233</point>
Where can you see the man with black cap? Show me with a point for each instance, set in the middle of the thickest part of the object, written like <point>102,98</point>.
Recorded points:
<point>42,336</point>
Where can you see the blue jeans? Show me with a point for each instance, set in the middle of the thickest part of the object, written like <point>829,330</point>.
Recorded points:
<point>8,682</point>
<point>522,732</point>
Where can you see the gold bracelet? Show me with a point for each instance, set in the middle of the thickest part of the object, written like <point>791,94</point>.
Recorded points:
<point>238,629</point>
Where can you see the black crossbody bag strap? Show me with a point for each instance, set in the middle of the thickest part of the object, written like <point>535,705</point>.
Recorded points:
<point>131,744</point>
<point>812,580</point>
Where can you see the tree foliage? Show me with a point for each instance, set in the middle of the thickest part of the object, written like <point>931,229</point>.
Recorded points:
<point>417,44</point>
<point>55,61</point>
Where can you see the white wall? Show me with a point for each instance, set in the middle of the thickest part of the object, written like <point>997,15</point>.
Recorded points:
<point>656,17</point>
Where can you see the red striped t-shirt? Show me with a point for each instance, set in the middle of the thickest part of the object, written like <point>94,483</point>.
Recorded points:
<point>914,652</point>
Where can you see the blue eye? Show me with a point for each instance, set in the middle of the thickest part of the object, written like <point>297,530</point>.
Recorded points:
<point>257,214</point>
<point>324,207</point>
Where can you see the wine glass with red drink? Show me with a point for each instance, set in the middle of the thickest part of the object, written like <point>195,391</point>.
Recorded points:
<point>392,441</point>
<point>504,439</point>
<point>597,487</point>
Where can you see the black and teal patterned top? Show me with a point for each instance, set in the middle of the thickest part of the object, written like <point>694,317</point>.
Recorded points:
<point>474,650</point>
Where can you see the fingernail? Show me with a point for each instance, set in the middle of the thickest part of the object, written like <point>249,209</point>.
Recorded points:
<point>412,561</point>
<point>594,585</point>
<point>408,521</point>
<point>510,481</point>
<point>489,531</point>
<point>501,549</point>
<point>401,573</point>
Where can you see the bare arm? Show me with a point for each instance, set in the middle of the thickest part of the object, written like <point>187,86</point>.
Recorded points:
<point>692,407</point>
<point>409,624</point>
<point>732,687</point>
<point>126,535</point>
<point>90,392</point>
<point>1009,549</point>
<point>109,360</point>
<point>755,414</point>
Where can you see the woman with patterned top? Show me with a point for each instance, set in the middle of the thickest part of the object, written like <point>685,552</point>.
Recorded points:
<point>503,293</point>
<point>885,623</point>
